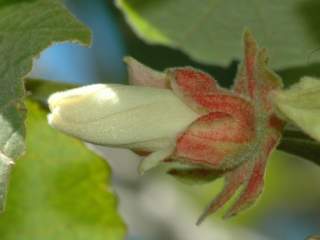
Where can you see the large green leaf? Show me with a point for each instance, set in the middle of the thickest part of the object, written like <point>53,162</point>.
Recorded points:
<point>59,190</point>
<point>210,30</point>
<point>26,28</point>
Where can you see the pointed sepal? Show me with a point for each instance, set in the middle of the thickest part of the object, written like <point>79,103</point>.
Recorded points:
<point>141,75</point>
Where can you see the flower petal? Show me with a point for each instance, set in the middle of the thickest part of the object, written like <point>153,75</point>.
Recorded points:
<point>301,105</point>
<point>154,159</point>
<point>119,115</point>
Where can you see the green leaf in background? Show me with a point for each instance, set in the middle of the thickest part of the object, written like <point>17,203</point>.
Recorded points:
<point>40,89</point>
<point>59,190</point>
<point>210,30</point>
<point>293,75</point>
<point>26,28</point>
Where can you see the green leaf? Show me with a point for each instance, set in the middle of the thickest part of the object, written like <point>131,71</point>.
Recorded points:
<point>26,28</point>
<point>209,30</point>
<point>40,89</point>
<point>293,75</point>
<point>59,190</point>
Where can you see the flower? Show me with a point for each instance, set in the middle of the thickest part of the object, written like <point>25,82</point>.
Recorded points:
<point>140,118</point>
<point>300,104</point>
<point>184,119</point>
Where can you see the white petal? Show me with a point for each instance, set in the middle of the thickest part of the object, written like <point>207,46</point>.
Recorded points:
<point>120,115</point>
<point>154,159</point>
<point>300,104</point>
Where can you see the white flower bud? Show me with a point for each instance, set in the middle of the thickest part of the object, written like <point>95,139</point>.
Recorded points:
<point>133,117</point>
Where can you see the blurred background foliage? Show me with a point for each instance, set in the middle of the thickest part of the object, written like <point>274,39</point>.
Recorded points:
<point>156,206</point>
